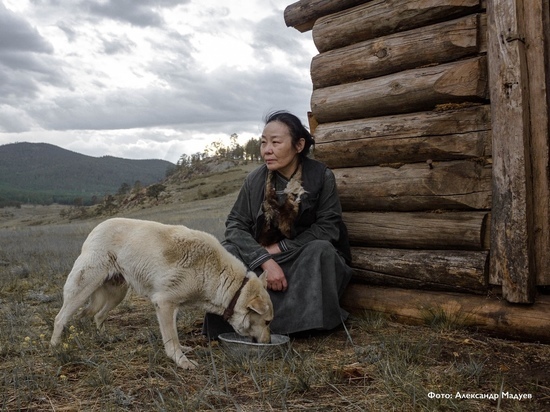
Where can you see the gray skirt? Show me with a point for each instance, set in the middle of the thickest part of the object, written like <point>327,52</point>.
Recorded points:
<point>317,276</point>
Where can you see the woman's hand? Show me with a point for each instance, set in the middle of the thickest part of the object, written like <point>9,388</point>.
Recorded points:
<point>276,279</point>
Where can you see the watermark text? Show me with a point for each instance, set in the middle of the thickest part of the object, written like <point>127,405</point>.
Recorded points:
<point>491,396</point>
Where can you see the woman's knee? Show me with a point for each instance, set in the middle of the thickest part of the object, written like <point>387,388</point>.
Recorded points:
<point>319,246</point>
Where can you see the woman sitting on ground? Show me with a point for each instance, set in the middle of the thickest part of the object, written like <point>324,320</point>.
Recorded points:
<point>287,221</point>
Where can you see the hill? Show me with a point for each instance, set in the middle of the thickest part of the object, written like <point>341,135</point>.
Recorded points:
<point>41,173</point>
<point>200,198</point>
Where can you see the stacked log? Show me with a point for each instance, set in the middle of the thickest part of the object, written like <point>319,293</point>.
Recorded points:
<point>302,15</point>
<point>404,92</point>
<point>401,113</point>
<point>410,138</point>
<point>407,132</point>
<point>442,270</point>
<point>416,187</point>
<point>490,314</point>
<point>449,41</point>
<point>378,18</point>
<point>451,230</point>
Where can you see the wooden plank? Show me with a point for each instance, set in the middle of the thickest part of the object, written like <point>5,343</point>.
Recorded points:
<point>302,14</point>
<point>411,187</point>
<point>512,256</point>
<point>367,152</point>
<point>489,314</point>
<point>404,92</point>
<point>537,40</point>
<point>418,137</point>
<point>379,18</point>
<point>451,270</point>
<point>448,41</point>
<point>434,231</point>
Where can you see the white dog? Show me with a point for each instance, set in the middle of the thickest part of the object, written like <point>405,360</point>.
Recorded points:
<point>171,265</point>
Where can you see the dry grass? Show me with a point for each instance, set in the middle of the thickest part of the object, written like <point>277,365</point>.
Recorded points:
<point>373,364</point>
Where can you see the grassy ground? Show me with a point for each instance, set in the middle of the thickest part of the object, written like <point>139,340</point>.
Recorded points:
<point>373,364</point>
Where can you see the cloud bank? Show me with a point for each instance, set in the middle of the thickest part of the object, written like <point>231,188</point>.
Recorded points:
<point>146,78</point>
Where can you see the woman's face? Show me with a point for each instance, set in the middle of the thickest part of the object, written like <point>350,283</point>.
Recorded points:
<point>277,150</point>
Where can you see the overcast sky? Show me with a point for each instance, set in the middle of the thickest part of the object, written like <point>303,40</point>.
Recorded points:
<point>145,79</point>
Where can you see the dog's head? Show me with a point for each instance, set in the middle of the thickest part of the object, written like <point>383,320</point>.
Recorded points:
<point>253,311</point>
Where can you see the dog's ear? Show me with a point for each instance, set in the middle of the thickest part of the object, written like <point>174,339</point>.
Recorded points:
<point>258,305</point>
<point>263,278</point>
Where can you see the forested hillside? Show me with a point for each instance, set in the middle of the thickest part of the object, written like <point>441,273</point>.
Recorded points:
<point>42,173</point>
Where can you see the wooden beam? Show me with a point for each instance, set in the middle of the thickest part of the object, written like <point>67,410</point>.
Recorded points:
<point>408,138</point>
<point>302,14</point>
<point>512,255</point>
<point>435,231</point>
<point>537,36</point>
<point>448,41</point>
<point>485,313</point>
<point>457,185</point>
<point>451,270</point>
<point>379,18</point>
<point>405,92</point>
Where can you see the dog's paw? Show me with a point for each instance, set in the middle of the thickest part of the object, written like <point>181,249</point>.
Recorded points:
<point>186,349</point>
<point>185,363</point>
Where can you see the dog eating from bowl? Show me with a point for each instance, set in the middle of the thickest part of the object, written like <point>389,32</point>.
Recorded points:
<point>173,266</point>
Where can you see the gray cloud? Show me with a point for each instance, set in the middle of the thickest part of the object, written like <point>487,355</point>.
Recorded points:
<point>26,60</point>
<point>143,13</point>
<point>65,89</point>
<point>16,34</point>
<point>21,76</point>
<point>13,120</point>
<point>127,11</point>
<point>112,45</point>
<point>214,98</point>
<point>69,31</point>
<point>272,34</point>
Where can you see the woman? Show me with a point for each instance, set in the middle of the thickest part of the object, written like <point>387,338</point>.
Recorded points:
<point>287,222</point>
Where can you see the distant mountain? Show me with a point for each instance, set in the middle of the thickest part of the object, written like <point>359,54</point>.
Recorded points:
<point>44,173</point>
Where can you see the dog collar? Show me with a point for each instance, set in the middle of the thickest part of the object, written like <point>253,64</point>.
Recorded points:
<point>227,313</point>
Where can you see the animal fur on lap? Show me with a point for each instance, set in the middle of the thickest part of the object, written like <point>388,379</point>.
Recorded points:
<point>172,266</point>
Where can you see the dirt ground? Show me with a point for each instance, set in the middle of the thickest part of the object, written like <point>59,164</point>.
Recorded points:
<point>371,364</point>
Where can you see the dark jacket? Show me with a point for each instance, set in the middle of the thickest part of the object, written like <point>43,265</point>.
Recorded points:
<point>319,217</point>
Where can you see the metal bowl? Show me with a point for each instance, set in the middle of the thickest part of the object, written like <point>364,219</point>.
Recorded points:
<point>240,347</point>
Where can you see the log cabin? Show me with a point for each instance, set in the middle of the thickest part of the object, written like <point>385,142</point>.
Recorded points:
<point>434,116</point>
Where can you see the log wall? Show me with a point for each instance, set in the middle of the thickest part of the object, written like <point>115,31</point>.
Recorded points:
<point>416,111</point>
<point>407,132</point>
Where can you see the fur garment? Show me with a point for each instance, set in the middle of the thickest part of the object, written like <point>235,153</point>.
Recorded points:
<point>280,217</point>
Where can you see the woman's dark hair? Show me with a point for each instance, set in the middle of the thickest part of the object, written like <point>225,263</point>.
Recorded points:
<point>296,128</point>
